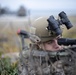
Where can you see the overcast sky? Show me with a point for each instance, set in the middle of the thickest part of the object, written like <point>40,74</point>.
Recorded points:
<point>42,5</point>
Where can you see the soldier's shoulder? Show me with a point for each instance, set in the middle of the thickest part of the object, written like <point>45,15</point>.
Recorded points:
<point>26,53</point>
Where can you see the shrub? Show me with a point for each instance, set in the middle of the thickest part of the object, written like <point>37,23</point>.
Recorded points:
<point>8,68</point>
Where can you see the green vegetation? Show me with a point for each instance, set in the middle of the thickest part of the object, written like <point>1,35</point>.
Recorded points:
<point>8,68</point>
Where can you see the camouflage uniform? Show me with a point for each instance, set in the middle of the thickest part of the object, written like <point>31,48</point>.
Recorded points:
<point>48,63</point>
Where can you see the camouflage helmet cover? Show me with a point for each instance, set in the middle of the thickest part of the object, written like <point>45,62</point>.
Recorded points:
<point>41,29</point>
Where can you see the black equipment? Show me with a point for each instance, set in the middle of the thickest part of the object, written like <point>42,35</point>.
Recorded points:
<point>66,41</point>
<point>54,24</point>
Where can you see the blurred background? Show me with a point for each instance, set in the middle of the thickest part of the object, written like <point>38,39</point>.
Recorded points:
<point>20,14</point>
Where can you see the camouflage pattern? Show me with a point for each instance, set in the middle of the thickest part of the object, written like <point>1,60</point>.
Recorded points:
<point>39,62</point>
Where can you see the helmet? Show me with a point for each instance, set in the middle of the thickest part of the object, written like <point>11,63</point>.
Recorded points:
<point>41,30</point>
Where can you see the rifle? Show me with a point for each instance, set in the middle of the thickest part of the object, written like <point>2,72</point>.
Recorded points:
<point>66,41</point>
